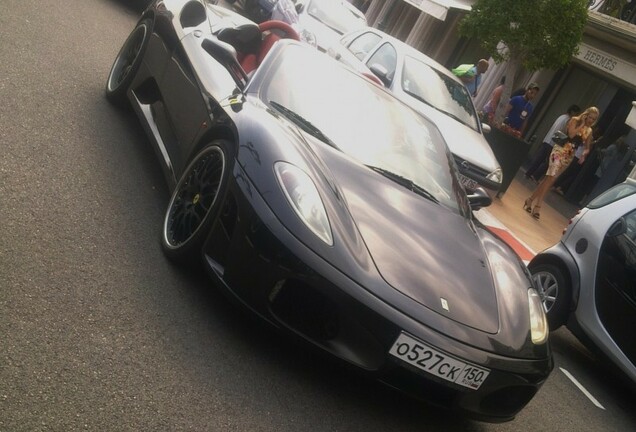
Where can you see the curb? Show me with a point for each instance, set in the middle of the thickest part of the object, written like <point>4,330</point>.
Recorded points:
<point>495,226</point>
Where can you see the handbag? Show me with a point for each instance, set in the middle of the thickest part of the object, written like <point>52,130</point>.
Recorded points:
<point>560,138</point>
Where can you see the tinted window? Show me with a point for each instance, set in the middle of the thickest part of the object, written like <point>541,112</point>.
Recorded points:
<point>615,292</point>
<point>363,44</point>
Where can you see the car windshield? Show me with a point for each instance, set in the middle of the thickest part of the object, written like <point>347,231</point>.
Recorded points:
<point>336,15</point>
<point>439,91</point>
<point>364,121</point>
<point>616,193</point>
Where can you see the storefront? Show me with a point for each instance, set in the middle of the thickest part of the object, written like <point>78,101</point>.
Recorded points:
<point>601,74</point>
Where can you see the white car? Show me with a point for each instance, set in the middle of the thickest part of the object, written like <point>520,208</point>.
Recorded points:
<point>588,279</point>
<point>431,89</point>
<point>328,20</point>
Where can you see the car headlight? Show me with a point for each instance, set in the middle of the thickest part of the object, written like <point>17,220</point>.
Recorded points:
<point>302,194</point>
<point>496,176</point>
<point>538,320</point>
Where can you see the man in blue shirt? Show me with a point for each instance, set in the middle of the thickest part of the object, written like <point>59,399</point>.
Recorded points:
<point>519,108</point>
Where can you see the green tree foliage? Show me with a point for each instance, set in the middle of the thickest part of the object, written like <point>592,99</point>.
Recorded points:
<point>541,33</point>
<point>533,34</point>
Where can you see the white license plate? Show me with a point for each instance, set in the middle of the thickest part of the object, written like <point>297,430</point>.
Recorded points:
<point>441,365</point>
<point>468,183</point>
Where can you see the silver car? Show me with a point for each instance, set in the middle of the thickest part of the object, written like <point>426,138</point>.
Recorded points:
<point>588,279</point>
<point>431,89</point>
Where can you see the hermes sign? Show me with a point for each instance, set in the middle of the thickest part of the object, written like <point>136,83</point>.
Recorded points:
<point>607,63</point>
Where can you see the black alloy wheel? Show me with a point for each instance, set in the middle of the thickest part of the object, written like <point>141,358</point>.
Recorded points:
<point>554,291</point>
<point>127,63</point>
<point>195,203</point>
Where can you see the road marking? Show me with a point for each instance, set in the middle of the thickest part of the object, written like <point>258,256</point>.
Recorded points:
<point>583,389</point>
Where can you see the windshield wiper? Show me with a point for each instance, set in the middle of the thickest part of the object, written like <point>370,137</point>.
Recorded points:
<point>407,183</point>
<point>303,123</point>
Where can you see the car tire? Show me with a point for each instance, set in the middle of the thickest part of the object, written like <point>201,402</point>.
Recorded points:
<point>195,203</point>
<point>555,293</point>
<point>127,62</point>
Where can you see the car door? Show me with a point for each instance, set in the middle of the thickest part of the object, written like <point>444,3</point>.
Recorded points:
<point>184,106</point>
<point>193,84</point>
<point>615,293</point>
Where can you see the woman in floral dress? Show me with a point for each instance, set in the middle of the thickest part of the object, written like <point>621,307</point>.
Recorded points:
<point>579,132</point>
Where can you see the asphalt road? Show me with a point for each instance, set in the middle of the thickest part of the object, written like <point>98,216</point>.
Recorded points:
<point>99,332</point>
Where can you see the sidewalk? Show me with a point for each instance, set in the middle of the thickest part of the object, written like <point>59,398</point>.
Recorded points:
<point>507,218</point>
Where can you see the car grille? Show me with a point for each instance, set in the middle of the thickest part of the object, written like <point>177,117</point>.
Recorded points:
<point>470,168</point>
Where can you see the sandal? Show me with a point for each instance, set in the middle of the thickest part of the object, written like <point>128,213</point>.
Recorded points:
<point>535,212</point>
<point>527,205</point>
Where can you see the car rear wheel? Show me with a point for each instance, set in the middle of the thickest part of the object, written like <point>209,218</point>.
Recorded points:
<point>127,63</point>
<point>194,205</point>
<point>554,291</point>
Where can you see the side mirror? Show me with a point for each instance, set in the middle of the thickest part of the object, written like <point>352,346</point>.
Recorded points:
<point>381,72</point>
<point>618,228</point>
<point>479,199</point>
<point>225,54</point>
<point>485,127</point>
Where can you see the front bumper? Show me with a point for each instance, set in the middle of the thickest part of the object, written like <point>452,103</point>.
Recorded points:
<point>477,174</point>
<point>266,268</point>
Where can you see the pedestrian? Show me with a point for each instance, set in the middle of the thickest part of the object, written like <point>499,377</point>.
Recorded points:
<point>579,133</point>
<point>611,159</point>
<point>490,107</point>
<point>539,163</point>
<point>520,108</point>
<point>470,75</point>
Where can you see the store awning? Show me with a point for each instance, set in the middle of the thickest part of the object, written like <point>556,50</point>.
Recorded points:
<point>439,8</point>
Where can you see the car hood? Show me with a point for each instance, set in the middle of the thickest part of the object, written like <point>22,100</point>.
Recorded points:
<point>462,140</point>
<point>421,249</point>
<point>403,249</point>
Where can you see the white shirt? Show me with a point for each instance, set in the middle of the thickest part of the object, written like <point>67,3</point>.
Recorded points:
<point>559,124</point>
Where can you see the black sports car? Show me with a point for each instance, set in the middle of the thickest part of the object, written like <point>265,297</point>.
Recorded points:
<point>330,209</point>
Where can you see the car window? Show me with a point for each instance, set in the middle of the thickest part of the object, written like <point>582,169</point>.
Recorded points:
<point>630,221</point>
<point>619,191</point>
<point>629,249</point>
<point>615,289</point>
<point>385,56</point>
<point>443,93</point>
<point>361,45</point>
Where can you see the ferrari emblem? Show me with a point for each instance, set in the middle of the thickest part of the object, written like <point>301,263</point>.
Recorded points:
<point>444,303</point>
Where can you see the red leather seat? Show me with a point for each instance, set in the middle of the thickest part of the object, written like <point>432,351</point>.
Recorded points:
<point>252,43</point>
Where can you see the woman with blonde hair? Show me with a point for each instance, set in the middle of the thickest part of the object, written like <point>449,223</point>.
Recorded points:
<point>579,133</point>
